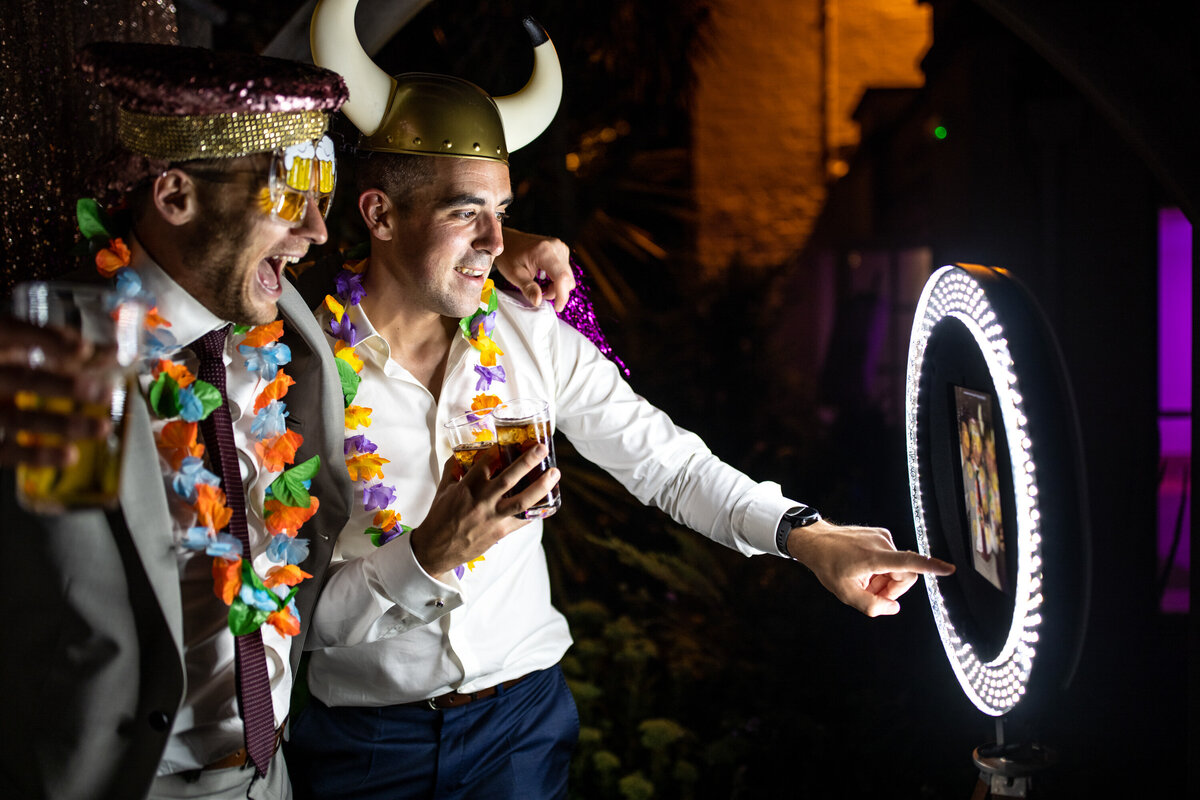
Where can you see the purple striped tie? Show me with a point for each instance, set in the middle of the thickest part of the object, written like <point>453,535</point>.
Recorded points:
<point>253,685</point>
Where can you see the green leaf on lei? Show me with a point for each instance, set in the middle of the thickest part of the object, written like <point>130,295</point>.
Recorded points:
<point>350,380</point>
<point>93,222</point>
<point>238,330</point>
<point>289,489</point>
<point>208,396</point>
<point>164,396</point>
<point>359,251</point>
<point>244,619</point>
<point>250,576</point>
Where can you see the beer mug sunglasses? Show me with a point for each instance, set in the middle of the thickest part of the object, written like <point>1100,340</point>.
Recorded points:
<point>300,172</point>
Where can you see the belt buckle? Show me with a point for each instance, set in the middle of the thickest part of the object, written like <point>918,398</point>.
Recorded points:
<point>432,703</point>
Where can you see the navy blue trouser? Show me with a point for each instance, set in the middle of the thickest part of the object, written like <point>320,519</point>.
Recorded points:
<point>515,745</point>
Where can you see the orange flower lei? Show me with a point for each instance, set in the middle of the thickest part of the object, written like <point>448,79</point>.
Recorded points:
<point>177,396</point>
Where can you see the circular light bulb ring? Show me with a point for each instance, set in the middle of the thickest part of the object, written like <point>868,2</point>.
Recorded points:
<point>997,685</point>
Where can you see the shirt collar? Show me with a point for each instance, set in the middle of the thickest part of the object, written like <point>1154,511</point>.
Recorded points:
<point>188,317</point>
<point>371,346</point>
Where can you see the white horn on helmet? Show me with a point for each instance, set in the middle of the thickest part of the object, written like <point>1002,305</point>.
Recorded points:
<point>529,112</point>
<point>335,46</point>
<point>434,114</point>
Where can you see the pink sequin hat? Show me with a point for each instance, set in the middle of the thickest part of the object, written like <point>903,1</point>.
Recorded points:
<point>186,103</point>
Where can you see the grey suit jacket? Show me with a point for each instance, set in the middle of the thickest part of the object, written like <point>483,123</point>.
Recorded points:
<point>92,662</point>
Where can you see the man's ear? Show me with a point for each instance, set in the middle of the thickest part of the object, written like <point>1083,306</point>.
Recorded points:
<point>174,197</point>
<point>374,205</point>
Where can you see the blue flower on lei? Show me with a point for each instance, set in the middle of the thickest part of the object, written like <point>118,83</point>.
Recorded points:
<point>286,549</point>
<point>266,359</point>
<point>190,407</point>
<point>129,286</point>
<point>159,343</point>
<point>222,545</point>
<point>192,471</point>
<point>269,421</point>
<point>261,599</point>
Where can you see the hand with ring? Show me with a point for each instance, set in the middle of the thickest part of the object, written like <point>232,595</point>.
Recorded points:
<point>467,517</point>
<point>49,362</point>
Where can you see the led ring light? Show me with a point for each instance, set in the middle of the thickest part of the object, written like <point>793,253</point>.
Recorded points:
<point>993,309</point>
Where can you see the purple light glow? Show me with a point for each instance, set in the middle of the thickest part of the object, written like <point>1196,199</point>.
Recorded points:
<point>1174,401</point>
<point>1174,312</point>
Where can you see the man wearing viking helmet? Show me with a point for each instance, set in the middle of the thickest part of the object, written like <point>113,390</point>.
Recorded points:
<point>434,671</point>
<point>152,648</point>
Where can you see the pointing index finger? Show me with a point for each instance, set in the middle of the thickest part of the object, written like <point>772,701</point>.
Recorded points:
<point>908,561</point>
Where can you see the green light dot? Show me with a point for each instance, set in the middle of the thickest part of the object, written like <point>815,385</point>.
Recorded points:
<point>940,132</point>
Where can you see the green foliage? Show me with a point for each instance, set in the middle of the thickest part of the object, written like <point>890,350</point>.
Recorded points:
<point>636,787</point>
<point>606,762</point>
<point>658,734</point>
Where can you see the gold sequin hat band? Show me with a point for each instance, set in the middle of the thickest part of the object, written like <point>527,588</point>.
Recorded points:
<point>228,135</point>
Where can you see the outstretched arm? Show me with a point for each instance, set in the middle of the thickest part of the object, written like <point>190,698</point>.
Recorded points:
<point>527,255</point>
<point>861,566</point>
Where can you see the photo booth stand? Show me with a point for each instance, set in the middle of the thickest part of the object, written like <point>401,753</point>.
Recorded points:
<point>995,479</point>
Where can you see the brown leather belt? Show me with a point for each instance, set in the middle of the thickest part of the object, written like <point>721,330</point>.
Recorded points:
<point>458,699</point>
<point>239,757</point>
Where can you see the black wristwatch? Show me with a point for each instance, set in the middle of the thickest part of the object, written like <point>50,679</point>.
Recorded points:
<point>797,517</point>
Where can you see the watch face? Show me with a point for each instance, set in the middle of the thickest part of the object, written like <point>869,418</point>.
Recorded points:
<point>805,516</point>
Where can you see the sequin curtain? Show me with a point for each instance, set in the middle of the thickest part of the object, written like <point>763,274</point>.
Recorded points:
<point>53,125</point>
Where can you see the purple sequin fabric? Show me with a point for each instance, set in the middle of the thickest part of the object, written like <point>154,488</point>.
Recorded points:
<point>166,79</point>
<point>580,315</point>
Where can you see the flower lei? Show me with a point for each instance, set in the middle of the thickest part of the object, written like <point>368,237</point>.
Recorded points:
<point>183,400</point>
<point>363,460</point>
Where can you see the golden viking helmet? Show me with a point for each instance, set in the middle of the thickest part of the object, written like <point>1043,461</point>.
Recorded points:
<point>434,114</point>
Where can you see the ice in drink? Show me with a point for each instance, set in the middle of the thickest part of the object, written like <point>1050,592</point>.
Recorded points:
<point>465,456</point>
<point>517,435</point>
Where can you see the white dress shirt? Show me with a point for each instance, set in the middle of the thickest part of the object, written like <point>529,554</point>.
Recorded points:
<point>385,632</point>
<point>207,726</point>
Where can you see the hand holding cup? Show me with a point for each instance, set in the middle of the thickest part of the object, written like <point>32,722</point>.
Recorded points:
<point>64,350</point>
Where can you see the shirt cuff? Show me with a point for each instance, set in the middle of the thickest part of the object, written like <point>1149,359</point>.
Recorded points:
<point>400,578</point>
<point>763,512</point>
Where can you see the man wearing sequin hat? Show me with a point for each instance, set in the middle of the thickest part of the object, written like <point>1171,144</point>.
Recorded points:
<point>434,671</point>
<point>154,646</point>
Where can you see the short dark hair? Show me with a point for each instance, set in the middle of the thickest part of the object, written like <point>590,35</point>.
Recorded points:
<point>138,198</point>
<point>397,174</point>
